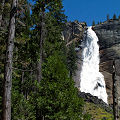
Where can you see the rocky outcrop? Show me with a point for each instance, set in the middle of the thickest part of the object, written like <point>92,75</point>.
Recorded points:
<point>109,41</point>
<point>108,33</point>
<point>93,99</point>
<point>73,31</point>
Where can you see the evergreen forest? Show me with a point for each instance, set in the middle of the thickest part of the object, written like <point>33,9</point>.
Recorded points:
<point>36,66</point>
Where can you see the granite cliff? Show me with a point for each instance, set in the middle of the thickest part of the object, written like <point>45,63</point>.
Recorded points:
<point>74,32</point>
<point>109,40</point>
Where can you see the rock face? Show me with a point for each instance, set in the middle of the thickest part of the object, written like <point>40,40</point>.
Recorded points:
<point>74,32</point>
<point>93,99</point>
<point>109,41</point>
<point>108,33</point>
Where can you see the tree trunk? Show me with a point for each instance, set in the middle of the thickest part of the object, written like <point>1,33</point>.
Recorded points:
<point>116,89</point>
<point>8,65</point>
<point>22,81</point>
<point>39,70</point>
<point>1,10</point>
<point>39,64</point>
<point>42,37</point>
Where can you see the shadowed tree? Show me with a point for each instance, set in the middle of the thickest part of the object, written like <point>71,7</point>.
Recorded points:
<point>108,17</point>
<point>8,65</point>
<point>114,17</point>
<point>39,11</point>
<point>48,17</point>
<point>93,23</point>
<point>72,59</point>
<point>57,98</point>
<point>119,17</point>
<point>2,4</point>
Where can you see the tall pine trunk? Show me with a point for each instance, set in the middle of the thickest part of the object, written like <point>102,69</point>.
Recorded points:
<point>39,64</point>
<point>1,10</point>
<point>42,37</point>
<point>8,65</point>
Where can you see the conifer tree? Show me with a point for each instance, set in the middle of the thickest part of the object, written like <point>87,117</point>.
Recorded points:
<point>4,16</point>
<point>52,95</point>
<point>2,4</point>
<point>39,12</point>
<point>93,23</point>
<point>114,17</point>
<point>8,65</point>
<point>44,24</point>
<point>108,17</point>
<point>57,97</point>
<point>72,59</point>
<point>119,17</point>
<point>23,73</point>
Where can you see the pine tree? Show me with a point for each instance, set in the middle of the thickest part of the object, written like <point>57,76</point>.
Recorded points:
<point>57,97</point>
<point>23,73</point>
<point>39,11</point>
<point>2,4</point>
<point>114,17</point>
<point>72,59</point>
<point>4,16</point>
<point>21,52</point>
<point>48,105</point>
<point>108,17</point>
<point>93,23</point>
<point>50,23</point>
<point>8,65</point>
<point>54,96</point>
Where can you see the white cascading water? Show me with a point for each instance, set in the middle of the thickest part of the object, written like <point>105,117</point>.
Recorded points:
<point>92,81</point>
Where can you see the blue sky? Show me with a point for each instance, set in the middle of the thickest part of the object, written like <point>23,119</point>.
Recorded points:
<point>89,10</point>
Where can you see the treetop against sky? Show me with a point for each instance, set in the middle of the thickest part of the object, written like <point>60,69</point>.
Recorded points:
<point>89,10</point>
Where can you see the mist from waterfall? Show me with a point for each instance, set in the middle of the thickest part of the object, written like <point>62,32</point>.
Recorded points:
<point>91,80</point>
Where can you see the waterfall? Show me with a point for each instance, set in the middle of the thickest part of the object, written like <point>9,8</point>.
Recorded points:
<point>91,80</point>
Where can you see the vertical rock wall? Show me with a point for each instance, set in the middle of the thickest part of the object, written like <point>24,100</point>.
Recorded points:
<point>109,41</point>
